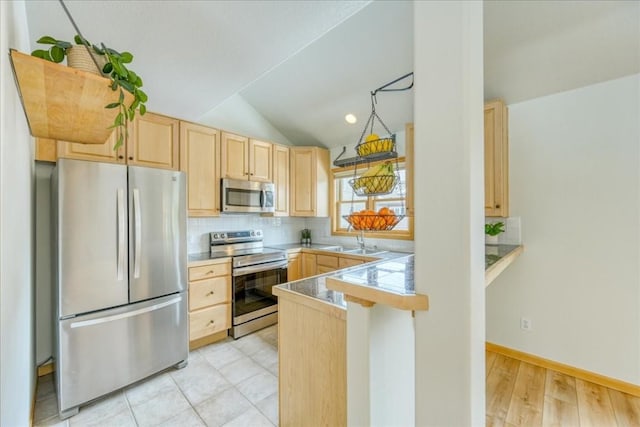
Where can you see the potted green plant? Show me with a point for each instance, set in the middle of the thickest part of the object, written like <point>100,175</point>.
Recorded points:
<point>114,68</point>
<point>305,237</point>
<point>491,232</point>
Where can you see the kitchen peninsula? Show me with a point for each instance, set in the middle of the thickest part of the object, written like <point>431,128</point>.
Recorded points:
<point>313,328</point>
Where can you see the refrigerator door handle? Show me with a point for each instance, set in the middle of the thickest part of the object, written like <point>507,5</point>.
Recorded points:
<point>133,313</point>
<point>137,236</point>
<point>121,233</point>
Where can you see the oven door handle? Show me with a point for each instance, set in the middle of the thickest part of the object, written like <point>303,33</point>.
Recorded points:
<point>258,268</point>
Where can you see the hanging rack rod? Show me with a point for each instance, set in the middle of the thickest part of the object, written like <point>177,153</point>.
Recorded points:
<point>383,88</point>
<point>75,26</point>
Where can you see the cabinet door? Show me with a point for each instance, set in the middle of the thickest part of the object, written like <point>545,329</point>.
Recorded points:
<point>281,179</point>
<point>496,160</point>
<point>308,265</point>
<point>260,161</point>
<point>349,262</point>
<point>96,152</point>
<point>303,189</point>
<point>327,261</point>
<point>234,156</point>
<point>200,159</point>
<point>154,142</point>
<point>294,269</point>
<point>309,181</point>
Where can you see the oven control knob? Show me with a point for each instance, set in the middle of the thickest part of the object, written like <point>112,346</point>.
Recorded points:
<point>215,236</point>
<point>253,233</point>
<point>222,235</point>
<point>258,233</point>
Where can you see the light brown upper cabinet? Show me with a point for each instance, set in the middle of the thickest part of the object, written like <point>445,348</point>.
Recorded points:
<point>244,158</point>
<point>260,161</point>
<point>496,159</point>
<point>154,142</point>
<point>95,152</point>
<point>281,179</point>
<point>309,181</point>
<point>200,159</point>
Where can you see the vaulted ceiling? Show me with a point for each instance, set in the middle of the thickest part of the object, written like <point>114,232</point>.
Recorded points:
<point>303,65</point>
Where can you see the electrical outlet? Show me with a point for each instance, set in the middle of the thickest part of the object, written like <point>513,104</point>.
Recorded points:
<point>525,324</point>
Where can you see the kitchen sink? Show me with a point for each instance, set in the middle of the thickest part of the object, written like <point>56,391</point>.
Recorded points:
<point>332,248</point>
<point>363,251</point>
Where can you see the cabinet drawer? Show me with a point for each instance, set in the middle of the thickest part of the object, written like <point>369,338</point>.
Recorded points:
<point>327,261</point>
<point>209,321</point>
<point>208,271</point>
<point>349,262</point>
<point>324,269</point>
<point>204,293</point>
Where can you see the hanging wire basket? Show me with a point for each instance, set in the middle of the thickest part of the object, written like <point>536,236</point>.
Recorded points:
<point>374,185</point>
<point>376,147</point>
<point>373,221</point>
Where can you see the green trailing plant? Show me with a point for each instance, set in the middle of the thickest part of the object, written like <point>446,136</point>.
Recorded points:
<point>122,78</point>
<point>494,229</point>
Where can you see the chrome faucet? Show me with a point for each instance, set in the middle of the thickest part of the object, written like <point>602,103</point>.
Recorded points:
<point>360,239</point>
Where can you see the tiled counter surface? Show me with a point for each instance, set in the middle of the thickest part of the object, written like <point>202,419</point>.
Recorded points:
<point>394,273</point>
<point>497,258</point>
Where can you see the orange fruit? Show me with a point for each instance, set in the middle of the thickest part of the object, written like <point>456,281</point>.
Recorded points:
<point>385,211</point>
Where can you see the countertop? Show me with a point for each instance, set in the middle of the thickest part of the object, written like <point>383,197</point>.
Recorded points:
<point>393,275</point>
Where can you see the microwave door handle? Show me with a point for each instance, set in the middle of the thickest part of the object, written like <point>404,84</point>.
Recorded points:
<point>263,197</point>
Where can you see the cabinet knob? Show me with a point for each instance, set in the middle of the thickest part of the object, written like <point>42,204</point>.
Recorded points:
<point>497,206</point>
<point>130,158</point>
<point>210,293</point>
<point>211,322</point>
<point>121,157</point>
<point>251,174</point>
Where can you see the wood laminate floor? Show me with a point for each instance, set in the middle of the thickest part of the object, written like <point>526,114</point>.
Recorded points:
<point>521,394</point>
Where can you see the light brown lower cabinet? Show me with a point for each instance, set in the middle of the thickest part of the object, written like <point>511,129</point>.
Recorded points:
<point>312,356</point>
<point>309,267</point>
<point>294,268</point>
<point>349,262</point>
<point>209,302</point>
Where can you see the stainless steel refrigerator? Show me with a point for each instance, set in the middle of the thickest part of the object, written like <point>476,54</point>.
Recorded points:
<point>120,277</point>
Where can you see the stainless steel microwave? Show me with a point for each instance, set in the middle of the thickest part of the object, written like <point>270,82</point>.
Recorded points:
<point>240,196</point>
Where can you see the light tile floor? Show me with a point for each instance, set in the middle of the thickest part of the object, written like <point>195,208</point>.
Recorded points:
<point>229,383</point>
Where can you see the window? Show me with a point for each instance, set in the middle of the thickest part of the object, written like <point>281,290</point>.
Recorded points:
<point>345,201</point>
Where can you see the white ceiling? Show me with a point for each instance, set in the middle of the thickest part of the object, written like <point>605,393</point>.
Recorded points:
<point>304,64</point>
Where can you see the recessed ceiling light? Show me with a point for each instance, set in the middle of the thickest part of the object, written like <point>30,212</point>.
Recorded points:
<point>350,118</point>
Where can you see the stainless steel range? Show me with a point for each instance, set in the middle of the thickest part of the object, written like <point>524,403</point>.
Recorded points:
<point>255,270</point>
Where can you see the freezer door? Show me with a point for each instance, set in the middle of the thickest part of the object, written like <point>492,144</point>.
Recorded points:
<point>157,233</point>
<point>90,215</point>
<point>102,352</point>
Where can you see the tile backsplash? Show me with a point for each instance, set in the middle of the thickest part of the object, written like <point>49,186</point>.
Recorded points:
<point>278,230</point>
<point>512,230</point>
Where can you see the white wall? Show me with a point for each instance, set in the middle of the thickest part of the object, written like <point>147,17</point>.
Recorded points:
<point>449,215</point>
<point>574,178</point>
<point>17,366</point>
<point>237,115</point>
